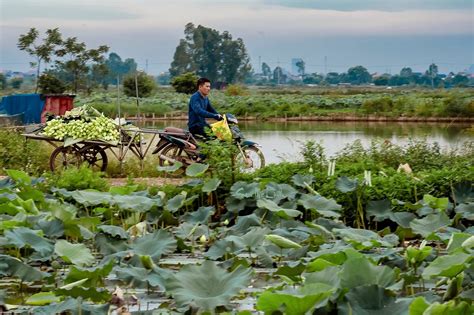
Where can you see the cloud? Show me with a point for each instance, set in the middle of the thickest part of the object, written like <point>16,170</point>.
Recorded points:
<point>373,5</point>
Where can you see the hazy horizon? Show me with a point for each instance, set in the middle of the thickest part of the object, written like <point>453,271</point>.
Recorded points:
<point>383,36</point>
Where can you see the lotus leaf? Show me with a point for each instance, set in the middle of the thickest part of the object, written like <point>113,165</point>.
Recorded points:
<point>171,168</point>
<point>429,224</point>
<point>201,215</point>
<point>302,180</point>
<point>279,211</point>
<point>466,210</point>
<point>345,184</point>
<point>175,203</point>
<point>436,203</point>
<point>447,266</point>
<point>25,237</point>
<point>241,190</point>
<point>302,301</point>
<point>211,185</point>
<point>114,231</point>
<point>207,286</point>
<point>326,207</point>
<point>196,169</point>
<point>463,192</point>
<point>155,245</point>
<point>137,277</point>
<point>360,271</point>
<point>14,267</point>
<point>282,242</point>
<point>78,254</point>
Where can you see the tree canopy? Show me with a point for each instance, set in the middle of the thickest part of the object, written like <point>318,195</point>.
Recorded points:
<point>211,54</point>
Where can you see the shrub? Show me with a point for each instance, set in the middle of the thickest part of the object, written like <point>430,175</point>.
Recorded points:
<point>49,84</point>
<point>16,83</point>
<point>185,83</point>
<point>79,178</point>
<point>235,90</point>
<point>146,85</point>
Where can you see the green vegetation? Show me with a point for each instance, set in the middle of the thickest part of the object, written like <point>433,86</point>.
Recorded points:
<point>139,85</point>
<point>304,102</point>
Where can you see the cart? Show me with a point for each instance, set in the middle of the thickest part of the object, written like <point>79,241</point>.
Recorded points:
<point>93,152</point>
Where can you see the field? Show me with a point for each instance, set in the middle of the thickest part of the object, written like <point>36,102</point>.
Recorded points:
<point>346,236</point>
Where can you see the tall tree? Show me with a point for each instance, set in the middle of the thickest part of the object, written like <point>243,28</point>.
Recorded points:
<point>41,51</point>
<point>208,53</point>
<point>406,72</point>
<point>432,73</point>
<point>266,71</point>
<point>117,67</point>
<point>300,64</point>
<point>77,59</point>
<point>358,75</point>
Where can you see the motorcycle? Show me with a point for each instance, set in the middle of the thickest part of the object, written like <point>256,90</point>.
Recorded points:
<point>179,145</point>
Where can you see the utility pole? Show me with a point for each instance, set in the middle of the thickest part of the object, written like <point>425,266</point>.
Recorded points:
<point>146,66</point>
<point>325,65</point>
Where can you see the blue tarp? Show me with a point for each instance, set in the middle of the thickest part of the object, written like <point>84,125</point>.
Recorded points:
<point>30,104</point>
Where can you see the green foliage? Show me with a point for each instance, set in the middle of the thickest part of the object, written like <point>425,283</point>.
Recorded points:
<point>146,85</point>
<point>17,153</point>
<point>79,178</point>
<point>3,82</point>
<point>16,83</point>
<point>49,84</point>
<point>185,83</point>
<point>235,90</point>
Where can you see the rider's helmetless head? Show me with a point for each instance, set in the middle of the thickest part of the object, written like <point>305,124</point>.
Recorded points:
<point>204,86</point>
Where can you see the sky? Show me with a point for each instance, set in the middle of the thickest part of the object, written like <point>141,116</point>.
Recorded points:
<point>329,35</point>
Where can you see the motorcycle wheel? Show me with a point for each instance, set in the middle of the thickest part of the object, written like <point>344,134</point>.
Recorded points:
<point>252,161</point>
<point>176,153</point>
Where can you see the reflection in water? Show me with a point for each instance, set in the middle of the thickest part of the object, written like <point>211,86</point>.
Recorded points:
<point>282,140</point>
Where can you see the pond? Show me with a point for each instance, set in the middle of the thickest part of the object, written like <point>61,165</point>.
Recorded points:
<point>283,140</point>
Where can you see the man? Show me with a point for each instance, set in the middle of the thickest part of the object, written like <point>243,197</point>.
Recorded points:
<point>200,108</point>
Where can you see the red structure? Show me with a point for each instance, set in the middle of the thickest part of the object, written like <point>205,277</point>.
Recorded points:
<point>56,105</point>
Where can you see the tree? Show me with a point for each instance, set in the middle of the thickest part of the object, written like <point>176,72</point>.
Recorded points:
<point>118,68</point>
<point>332,78</point>
<point>300,64</point>
<point>460,80</point>
<point>210,54</point>
<point>278,76</point>
<point>77,59</point>
<point>16,83</point>
<point>49,84</point>
<point>313,78</point>
<point>141,81</point>
<point>406,72</point>
<point>381,80</point>
<point>3,82</point>
<point>185,83</point>
<point>358,75</point>
<point>432,73</point>
<point>41,51</point>
<point>266,71</point>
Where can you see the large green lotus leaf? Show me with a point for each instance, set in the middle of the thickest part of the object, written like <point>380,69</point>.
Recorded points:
<point>77,254</point>
<point>301,301</point>
<point>87,293</point>
<point>135,203</point>
<point>291,272</point>
<point>436,203</point>
<point>201,215</point>
<point>187,230</point>
<point>95,276</point>
<point>89,198</point>
<point>418,306</point>
<point>241,190</point>
<point>421,307</point>
<point>456,240</point>
<point>250,240</point>
<point>137,277</point>
<point>463,192</point>
<point>279,211</point>
<point>447,266</point>
<point>211,185</point>
<point>244,223</point>
<point>235,205</point>
<point>380,209</point>
<point>42,298</point>
<point>14,267</point>
<point>272,191</point>
<point>113,231</point>
<point>281,241</point>
<point>24,237</point>
<point>466,210</point>
<point>372,300</point>
<point>330,276</point>
<point>155,245</point>
<point>302,180</point>
<point>69,304</point>
<point>345,184</point>
<point>360,271</point>
<point>51,228</point>
<point>402,218</point>
<point>175,203</point>
<point>171,168</point>
<point>108,245</point>
<point>62,211</point>
<point>430,224</point>
<point>196,169</point>
<point>326,207</point>
<point>360,236</point>
<point>207,286</point>
<point>224,246</point>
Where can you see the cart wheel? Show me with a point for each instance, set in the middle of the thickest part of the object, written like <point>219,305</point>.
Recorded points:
<point>95,156</point>
<point>64,157</point>
<point>172,152</point>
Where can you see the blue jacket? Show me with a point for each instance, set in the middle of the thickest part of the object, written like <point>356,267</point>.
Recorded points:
<point>199,109</point>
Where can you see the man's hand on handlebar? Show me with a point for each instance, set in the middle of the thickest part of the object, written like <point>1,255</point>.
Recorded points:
<point>219,117</point>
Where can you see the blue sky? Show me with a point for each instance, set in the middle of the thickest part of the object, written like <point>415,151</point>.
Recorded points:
<point>383,35</point>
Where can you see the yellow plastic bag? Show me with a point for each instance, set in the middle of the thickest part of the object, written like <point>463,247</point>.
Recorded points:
<point>221,129</point>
